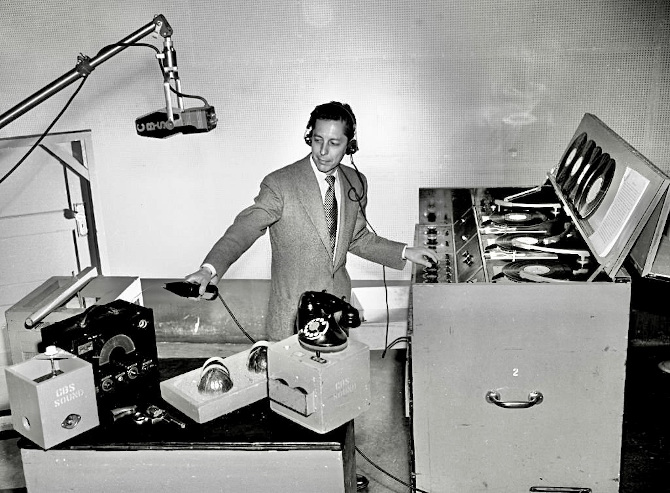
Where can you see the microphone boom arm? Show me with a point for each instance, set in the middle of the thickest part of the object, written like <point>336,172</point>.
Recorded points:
<point>84,67</point>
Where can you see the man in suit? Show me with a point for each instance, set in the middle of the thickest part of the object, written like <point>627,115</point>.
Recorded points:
<point>313,223</point>
<point>290,205</point>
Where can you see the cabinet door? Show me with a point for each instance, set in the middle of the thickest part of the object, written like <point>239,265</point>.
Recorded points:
<point>567,343</point>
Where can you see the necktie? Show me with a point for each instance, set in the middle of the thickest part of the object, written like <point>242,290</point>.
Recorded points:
<point>330,207</point>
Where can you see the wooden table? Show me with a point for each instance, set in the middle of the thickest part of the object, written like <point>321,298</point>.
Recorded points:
<point>251,449</point>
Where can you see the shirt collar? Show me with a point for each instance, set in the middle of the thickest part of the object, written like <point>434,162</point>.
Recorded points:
<point>322,176</point>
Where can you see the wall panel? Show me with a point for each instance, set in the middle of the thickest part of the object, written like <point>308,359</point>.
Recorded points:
<point>446,93</point>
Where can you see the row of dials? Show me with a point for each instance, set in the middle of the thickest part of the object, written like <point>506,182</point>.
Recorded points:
<point>436,238</point>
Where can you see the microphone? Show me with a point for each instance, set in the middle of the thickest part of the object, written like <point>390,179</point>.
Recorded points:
<point>188,121</point>
<point>169,121</point>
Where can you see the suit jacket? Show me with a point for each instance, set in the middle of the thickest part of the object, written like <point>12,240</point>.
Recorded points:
<point>289,204</point>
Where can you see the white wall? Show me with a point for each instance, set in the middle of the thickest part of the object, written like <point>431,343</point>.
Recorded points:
<point>446,93</point>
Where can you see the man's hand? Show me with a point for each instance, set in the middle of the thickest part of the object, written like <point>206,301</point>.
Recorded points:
<point>421,255</point>
<point>202,277</point>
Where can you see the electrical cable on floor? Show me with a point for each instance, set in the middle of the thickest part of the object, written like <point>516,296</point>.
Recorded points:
<point>412,488</point>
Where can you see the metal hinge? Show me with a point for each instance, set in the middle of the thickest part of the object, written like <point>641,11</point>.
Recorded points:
<point>79,215</point>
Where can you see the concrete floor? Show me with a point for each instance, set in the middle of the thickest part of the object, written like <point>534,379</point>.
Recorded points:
<point>645,457</point>
<point>382,432</point>
<point>11,472</point>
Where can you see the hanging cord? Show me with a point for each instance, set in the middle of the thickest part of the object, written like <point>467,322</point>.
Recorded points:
<point>354,196</point>
<point>395,341</point>
<point>230,312</point>
<point>160,66</point>
<point>45,133</point>
<point>82,66</point>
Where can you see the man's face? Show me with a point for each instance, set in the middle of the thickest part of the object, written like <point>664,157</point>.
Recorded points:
<point>329,144</point>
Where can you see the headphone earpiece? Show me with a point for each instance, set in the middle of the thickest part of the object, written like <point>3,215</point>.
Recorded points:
<point>352,146</point>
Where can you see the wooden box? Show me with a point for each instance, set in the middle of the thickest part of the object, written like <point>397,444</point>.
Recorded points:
<point>565,341</point>
<point>319,395</point>
<point>248,387</point>
<point>49,410</point>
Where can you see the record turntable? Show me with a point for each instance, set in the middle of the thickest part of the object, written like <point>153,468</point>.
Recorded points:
<point>536,303</point>
<point>529,270</point>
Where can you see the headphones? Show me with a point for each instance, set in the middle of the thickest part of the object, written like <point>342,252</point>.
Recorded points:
<point>333,111</point>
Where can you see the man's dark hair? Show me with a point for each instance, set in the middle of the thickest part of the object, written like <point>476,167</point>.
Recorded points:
<point>334,111</point>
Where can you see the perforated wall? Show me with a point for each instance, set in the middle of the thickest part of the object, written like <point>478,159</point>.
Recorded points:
<point>447,94</point>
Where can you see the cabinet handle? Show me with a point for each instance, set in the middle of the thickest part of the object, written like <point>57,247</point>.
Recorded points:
<point>534,397</point>
<point>559,489</point>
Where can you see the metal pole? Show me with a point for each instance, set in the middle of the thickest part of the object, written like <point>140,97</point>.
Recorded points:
<point>83,68</point>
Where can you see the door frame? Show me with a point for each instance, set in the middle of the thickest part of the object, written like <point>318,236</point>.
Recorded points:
<point>80,162</point>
